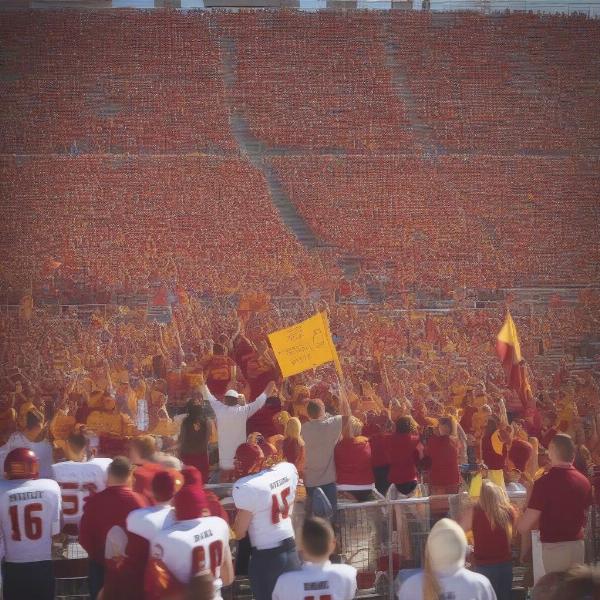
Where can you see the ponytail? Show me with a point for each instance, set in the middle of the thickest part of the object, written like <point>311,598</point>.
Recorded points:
<point>431,585</point>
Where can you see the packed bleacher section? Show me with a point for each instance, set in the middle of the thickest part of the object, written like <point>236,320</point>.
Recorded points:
<point>111,82</point>
<point>507,84</point>
<point>120,224</point>
<point>481,222</point>
<point>317,81</point>
<point>305,83</point>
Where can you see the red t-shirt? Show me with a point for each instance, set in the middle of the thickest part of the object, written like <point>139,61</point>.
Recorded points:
<point>490,457</point>
<point>262,421</point>
<point>466,421</point>
<point>563,496</point>
<point>380,449</point>
<point>546,436</point>
<point>403,457</point>
<point>353,462</point>
<point>102,511</point>
<point>443,451</point>
<point>491,546</point>
<point>293,452</point>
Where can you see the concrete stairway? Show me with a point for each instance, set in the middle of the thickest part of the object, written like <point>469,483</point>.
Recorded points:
<point>422,133</point>
<point>252,149</point>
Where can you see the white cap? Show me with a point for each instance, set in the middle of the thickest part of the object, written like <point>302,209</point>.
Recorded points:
<point>232,393</point>
<point>447,546</point>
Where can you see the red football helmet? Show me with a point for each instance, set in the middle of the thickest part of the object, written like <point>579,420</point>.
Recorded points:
<point>21,463</point>
<point>248,459</point>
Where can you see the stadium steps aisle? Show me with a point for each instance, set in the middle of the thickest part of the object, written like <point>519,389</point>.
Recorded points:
<point>422,132</point>
<point>254,151</point>
<point>258,155</point>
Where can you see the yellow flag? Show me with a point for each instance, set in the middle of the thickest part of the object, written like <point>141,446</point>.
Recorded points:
<point>304,346</point>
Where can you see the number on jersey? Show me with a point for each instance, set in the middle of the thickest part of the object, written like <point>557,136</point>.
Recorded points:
<point>215,554</point>
<point>323,597</point>
<point>32,524</point>
<point>71,500</point>
<point>280,508</point>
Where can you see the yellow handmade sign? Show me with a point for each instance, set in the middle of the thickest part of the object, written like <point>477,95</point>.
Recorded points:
<point>304,346</point>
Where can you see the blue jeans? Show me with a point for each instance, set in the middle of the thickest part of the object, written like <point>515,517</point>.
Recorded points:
<point>267,565</point>
<point>500,576</point>
<point>95,578</point>
<point>330,491</point>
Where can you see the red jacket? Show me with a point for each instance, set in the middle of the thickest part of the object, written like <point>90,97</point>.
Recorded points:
<point>103,511</point>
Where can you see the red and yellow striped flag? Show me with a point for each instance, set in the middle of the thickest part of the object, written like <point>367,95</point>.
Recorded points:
<point>508,349</point>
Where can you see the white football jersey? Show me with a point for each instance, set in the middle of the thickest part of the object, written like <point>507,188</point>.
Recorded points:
<point>148,522</point>
<point>29,517</point>
<point>189,547</point>
<point>78,480</point>
<point>325,581</point>
<point>269,496</point>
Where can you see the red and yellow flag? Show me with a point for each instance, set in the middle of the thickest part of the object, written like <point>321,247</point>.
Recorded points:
<point>508,349</point>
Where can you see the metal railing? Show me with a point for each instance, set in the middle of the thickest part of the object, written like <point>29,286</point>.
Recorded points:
<point>380,538</point>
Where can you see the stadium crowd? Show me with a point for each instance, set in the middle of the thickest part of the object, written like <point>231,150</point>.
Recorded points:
<point>158,437</point>
<point>132,418</point>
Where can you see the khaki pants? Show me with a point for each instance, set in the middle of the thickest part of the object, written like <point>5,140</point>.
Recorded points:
<point>560,556</point>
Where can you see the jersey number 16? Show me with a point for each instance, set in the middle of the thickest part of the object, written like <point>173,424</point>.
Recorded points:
<point>33,523</point>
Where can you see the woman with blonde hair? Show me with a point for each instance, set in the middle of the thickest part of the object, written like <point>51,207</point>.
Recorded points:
<point>293,445</point>
<point>492,521</point>
<point>444,574</point>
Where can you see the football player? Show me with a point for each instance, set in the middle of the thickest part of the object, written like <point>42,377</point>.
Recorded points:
<point>191,546</point>
<point>149,521</point>
<point>29,518</point>
<point>265,500</point>
<point>78,479</point>
<point>318,578</point>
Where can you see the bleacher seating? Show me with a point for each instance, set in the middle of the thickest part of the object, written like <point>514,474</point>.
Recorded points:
<point>125,81</point>
<point>439,150</point>
<point>121,222</point>
<point>481,222</point>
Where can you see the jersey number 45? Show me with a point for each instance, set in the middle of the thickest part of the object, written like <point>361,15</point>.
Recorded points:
<point>280,508</point>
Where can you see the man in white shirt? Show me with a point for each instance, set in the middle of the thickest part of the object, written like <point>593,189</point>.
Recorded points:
<point>30,438</point>
<point>193,545</point>
<point>231,415</point>
<point>265,501</point>
<point>78,479</point>
<point>317,578</point>
<point>29,519</point>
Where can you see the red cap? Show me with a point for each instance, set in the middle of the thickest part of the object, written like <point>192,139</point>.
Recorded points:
<point>165,484</point>
<point>190,502</point>
<point>21,463</point>
<point>191,475</point>
<point>520,452</point>
<point>247,457</point>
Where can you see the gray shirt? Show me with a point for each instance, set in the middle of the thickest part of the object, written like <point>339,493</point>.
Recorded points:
<point>320,438</point>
